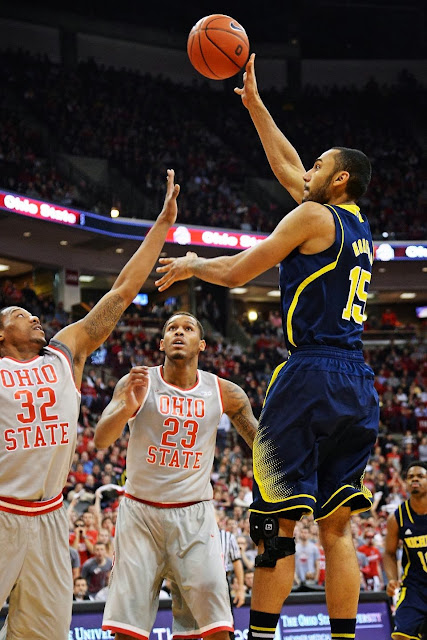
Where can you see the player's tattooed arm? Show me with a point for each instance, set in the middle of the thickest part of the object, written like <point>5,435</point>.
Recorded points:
<point>86,335</point>
<point>239,410</point>
<point>102,319</point>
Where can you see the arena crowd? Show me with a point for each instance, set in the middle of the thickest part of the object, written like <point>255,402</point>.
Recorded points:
<point>128,119</point>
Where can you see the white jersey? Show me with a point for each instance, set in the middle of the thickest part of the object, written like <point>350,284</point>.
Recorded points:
<point>39,411</point>
<point>172,441</point>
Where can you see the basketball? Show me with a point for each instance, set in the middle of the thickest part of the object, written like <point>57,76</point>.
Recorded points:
<point>218,46</point>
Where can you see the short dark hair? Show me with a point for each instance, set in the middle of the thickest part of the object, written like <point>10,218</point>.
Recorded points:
<point>79,578</point>
<point>416,463</point>
<point>3,312</point>
<point>359,168</point>
<point>184,313</point>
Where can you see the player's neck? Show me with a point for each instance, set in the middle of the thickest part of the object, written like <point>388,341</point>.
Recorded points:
<point>182,374</point>
<point>23,353</point>
<point>341,199</point>
<point>419,505</point>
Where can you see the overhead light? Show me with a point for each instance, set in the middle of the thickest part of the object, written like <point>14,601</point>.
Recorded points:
<point>385,234</point>
<point>371,295</point>
<point>84,278</point>
<point>119,250</point>
<point>424,269</point>
<point>238,290</point>
<point>27,234</point>
<point>4,267</point>
<point>274,293</point>
<point>114,213</point>
<point>252,315</point>
<point>407,295</point>
<point>382,269</point>
<point>63,243</point>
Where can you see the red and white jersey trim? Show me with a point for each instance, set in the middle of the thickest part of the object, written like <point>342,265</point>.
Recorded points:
<point>30,507</point>
<point>161,505</point>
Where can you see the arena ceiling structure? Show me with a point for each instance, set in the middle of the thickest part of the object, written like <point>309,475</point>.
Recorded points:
<point>359,29</point>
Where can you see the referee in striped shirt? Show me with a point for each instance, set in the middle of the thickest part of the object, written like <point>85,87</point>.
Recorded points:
<point>233,564</point>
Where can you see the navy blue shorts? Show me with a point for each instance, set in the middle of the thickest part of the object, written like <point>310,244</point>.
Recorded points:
<point>411,612</point>
<point>317,428</point>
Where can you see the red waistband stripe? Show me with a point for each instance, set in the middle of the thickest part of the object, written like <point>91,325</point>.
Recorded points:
<point>30,507</point>
<point>162,505</point>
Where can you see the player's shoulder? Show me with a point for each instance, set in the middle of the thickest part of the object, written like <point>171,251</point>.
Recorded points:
<point>394,517</point>
<point>231,393</point>
<point>310,214</point>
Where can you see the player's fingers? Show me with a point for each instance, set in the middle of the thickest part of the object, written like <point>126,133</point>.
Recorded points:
<point>166,260</point>
<point>238,90</point>
<point>137,377</point>
<point>251,67</point>
<point>165,283</point>
<point>163,269</point>
<point>170,181</point>
<point>176,191</point>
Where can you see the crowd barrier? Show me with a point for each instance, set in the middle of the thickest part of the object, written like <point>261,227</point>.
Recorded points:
<point>303,617</point>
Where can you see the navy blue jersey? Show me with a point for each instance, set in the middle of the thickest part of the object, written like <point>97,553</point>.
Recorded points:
<point>324,294</point>
<point>413,532</point>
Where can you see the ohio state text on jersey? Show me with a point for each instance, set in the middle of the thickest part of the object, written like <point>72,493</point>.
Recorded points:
<point>172,440</point>
<point>38,423</point>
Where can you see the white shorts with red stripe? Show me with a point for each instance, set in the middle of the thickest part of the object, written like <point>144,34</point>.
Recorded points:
<point>180,543</point>
<point>35,568</point>
<point>30,507</point>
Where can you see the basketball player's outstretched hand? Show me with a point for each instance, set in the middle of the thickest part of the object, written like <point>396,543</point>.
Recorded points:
<point>135,388</point>
<point>174,269</point>
<point>249,91</point>
<point>170,207</point>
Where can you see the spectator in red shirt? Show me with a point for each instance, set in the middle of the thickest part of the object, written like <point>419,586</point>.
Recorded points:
<point>79,474</point>
<point>322,567</point>
<point>248,479</point>
<point>83,538</point>
<point>388,319</point>
<point>372,572</point>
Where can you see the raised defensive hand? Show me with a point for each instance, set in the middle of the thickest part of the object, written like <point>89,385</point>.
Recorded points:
<point>134,388</point>
<point>174,269</point>
<point>249,91</point>
<point>170,207</point>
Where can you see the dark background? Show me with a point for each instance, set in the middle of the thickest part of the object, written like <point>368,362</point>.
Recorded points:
<point>323,28</point>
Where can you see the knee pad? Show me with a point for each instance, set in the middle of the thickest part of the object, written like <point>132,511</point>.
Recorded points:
<point>266,527</point>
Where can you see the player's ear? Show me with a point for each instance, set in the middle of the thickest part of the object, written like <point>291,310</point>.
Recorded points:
<point>162,345</point>
<point>342,177</point>
<point>202,345</point>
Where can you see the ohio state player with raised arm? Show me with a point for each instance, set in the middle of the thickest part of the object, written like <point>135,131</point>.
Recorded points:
<point>39,396</point>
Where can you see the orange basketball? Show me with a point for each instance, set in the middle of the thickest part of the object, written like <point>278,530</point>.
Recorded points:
<point>218,46</point>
